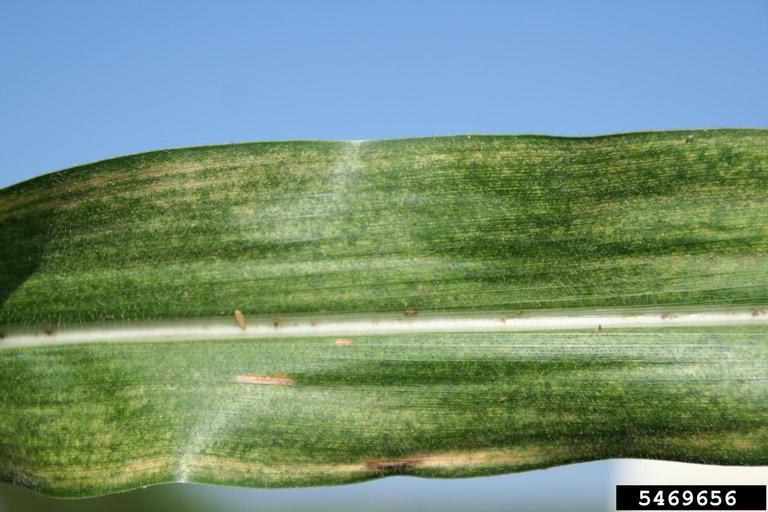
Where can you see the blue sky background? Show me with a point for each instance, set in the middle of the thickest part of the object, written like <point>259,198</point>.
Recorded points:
<point>82,81</point>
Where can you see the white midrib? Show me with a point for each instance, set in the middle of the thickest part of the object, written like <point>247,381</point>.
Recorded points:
<point>373,324</point>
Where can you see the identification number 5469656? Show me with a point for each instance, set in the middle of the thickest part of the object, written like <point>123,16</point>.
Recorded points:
<point>690,497</point>
<point>706,498</point>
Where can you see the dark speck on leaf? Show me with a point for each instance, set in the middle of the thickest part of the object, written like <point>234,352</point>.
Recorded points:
<point>392,465</point>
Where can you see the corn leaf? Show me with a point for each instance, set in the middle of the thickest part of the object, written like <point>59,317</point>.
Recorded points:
<point>311,313</point>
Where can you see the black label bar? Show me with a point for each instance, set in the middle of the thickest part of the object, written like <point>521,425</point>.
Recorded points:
<point>690,497</point>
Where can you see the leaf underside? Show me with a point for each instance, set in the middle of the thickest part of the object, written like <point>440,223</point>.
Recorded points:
<point>514,225</point>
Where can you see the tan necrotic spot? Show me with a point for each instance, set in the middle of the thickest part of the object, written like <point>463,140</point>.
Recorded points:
<point>469,459</point>
<point>240,318</point>
<point>277,379</point>
<point>343,341</point>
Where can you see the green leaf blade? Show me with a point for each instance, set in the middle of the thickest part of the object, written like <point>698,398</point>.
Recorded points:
<point>384,288</point>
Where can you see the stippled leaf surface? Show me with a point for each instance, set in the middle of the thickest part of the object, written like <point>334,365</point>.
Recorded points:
<point>358,270</point>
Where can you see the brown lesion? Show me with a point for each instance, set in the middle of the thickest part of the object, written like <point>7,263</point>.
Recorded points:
<point>277,379</point>
<point>520,456</point>
<point>229,469</point>
<point>240,318</point>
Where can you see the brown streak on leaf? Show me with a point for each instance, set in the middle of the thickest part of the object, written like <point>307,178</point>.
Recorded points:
<point>481,458</point>
<point>240,318</point>
<point>265,379</point>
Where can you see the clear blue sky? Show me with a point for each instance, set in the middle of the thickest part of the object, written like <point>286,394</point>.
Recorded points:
<point>82,81</point>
